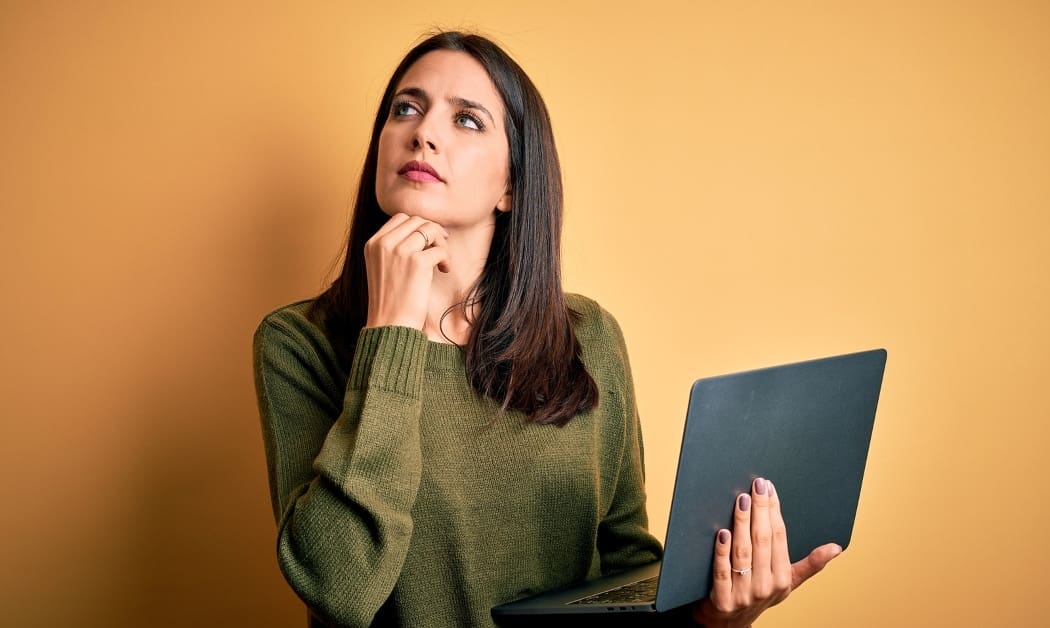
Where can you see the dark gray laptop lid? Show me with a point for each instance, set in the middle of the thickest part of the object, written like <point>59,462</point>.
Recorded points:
<point>805,426</point>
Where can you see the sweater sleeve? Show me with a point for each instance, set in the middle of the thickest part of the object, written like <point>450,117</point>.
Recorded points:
<point>624,540</point>
<point>343,479</point>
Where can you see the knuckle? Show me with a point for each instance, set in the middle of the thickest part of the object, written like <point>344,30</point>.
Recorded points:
<point>780,534</point>
<point>744,599</point>
<point>762,590</point>
<point>763,539</point>
<point>742,552</point>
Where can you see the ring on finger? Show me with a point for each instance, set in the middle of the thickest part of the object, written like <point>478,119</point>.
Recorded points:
<point>426,238</point>
<point>742,572</point>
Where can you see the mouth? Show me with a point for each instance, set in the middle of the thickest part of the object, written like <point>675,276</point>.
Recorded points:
<point>419,171</point>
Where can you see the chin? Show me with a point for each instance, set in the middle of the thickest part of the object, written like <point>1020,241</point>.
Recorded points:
<point>423,210</point>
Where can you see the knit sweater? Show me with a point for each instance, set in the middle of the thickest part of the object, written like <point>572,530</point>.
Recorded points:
<point>403,498</point>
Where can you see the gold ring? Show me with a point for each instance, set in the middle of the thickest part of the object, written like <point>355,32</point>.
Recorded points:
<point>426,239</point>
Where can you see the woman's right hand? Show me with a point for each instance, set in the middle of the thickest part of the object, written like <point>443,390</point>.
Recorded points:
<point>752,569</point>
<point>400,264</point>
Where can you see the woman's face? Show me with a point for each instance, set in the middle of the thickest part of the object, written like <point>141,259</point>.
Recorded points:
<point>443,151</point>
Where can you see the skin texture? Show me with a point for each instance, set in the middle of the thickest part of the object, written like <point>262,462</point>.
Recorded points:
<point>449,115</point>
<point>759,541</point>
<point>423,263</point>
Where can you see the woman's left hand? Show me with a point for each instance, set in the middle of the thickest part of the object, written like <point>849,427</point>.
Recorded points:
<point>752,570</point>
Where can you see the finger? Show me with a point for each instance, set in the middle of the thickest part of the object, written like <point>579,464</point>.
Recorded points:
<point>741,552</point>
<point>417,234</point>
<point>445,264</point>
<point>721,573</point>
<point>431,231</point>
<point>810,565</point>
<point>780,559</point>
<point>434,257</point>
<point>418,222</point>
<point>761,539</point>
<point>393,232</point>
<point>422,234</point>
<point>390,224</point>
<point>440,241</point>
<point>402,231</point>
<point>436,236</point>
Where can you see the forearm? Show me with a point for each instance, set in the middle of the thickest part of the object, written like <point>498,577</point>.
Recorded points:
<point>343,535</point>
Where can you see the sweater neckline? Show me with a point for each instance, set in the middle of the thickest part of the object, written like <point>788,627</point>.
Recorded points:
<point>444,356</point>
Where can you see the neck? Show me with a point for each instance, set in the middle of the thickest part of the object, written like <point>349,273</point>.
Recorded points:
<point>448,317</point>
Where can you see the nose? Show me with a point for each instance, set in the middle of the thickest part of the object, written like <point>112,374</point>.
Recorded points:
<point>419,140</point>
<point>423,136</point>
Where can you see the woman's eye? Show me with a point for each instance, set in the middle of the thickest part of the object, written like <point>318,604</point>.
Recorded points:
<point>404,109</point>
<point>469,121</point>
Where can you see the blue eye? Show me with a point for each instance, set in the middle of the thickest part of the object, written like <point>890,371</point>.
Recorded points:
<point>403,108</point>
<point>468,120</point>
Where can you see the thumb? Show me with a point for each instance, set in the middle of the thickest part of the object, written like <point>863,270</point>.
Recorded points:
<point>811,565</point>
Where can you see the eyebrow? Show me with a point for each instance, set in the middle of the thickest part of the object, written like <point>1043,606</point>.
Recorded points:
<point>462,103</point>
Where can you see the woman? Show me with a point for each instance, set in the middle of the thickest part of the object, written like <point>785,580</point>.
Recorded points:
<point>445,429</point>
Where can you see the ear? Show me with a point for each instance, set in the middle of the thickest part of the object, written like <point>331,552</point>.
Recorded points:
<point>504,204</point>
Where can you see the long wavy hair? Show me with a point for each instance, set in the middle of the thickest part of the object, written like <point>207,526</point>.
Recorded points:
<point>521,350</point>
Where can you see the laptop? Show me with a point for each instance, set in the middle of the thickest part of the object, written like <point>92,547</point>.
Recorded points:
<point>805,426</point>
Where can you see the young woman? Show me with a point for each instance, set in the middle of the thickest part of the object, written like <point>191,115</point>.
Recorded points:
<point>446,430</point>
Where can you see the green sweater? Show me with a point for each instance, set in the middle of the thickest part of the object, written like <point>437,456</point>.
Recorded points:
<point>404,499</point>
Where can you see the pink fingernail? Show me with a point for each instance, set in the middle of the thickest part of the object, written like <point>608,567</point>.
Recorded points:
<point>760,486</point>
<point>745,502</point>
<point>723,536</point>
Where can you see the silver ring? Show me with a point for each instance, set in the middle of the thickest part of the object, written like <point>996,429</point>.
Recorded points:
<point>426,238</point>
<point>742,572</point>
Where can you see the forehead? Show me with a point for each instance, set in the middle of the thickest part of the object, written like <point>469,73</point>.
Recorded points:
<point>445,74</point>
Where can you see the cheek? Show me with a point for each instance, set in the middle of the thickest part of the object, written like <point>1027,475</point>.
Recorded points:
<point>386,156</point>
<point>384,142</point>
<point>382,169</point>
<point>492,168</point>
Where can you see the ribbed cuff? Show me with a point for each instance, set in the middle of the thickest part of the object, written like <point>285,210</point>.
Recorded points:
<point>389,358</point>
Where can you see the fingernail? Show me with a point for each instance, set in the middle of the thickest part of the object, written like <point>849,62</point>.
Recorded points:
<point>745,502</point>
<point>723,536</point>
<point>760,486</point>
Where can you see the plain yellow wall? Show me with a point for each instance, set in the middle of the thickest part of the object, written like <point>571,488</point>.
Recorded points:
<point>747,183</point>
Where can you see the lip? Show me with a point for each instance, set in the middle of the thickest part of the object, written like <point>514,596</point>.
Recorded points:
<point>419,171</point>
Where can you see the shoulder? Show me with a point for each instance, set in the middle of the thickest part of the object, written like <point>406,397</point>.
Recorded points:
<point>286,322</point>
<point>601,339</point>
<point>293,313</point>
<point>294,362</point>
<point>592,321</point>
<point>292,334</point>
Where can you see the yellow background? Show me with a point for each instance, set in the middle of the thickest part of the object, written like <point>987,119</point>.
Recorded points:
<point>748,183</point>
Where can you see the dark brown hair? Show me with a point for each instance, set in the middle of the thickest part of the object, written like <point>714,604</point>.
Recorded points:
<point>521,351</point>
